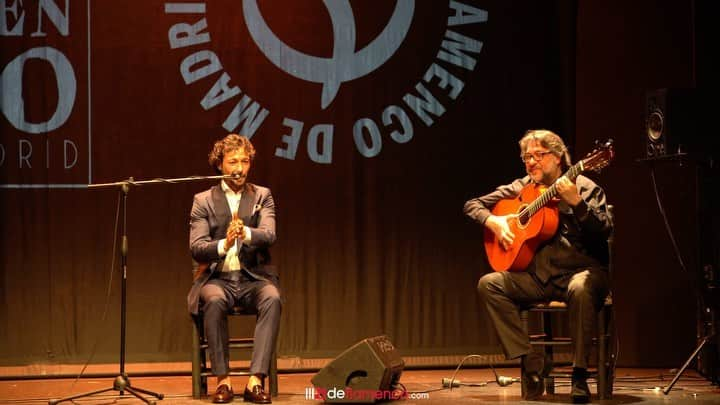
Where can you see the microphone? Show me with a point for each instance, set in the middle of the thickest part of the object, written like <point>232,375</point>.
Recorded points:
<point>232,176</point>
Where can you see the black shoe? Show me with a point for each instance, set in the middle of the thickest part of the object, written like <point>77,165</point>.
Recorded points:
<point>533,386</point>
<point>533,383</point>
<point>580,392</point>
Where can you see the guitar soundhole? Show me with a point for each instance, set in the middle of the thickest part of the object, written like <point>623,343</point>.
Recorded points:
<point>523,220</point>
<point>523,216</point>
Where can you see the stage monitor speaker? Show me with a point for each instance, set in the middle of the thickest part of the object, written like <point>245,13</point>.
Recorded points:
<point>369,368</point>
<point>671,122</point>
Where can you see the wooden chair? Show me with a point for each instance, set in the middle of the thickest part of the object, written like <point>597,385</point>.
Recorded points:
<point>200,368</point>
<point>604,374</point>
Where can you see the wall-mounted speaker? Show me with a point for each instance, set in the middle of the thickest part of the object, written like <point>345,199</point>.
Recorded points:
<point>671,122</point>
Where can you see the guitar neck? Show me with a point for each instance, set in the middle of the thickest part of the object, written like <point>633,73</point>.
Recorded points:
<point>551,192</point>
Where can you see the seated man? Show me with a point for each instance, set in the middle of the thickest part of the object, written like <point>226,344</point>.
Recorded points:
<point>571,266</point>
<point>232,225</point>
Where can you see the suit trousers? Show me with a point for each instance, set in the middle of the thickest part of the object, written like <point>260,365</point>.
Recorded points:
<point>218,297</point>
<point>505,293</point>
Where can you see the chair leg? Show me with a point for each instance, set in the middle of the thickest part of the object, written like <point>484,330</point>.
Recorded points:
<point>273,375</point>
<point>196,367</point>
<point>526,328</point>
<point>547,330</point>
<point>602,366</point>
<point>605,366</point>
<point>524,321</point>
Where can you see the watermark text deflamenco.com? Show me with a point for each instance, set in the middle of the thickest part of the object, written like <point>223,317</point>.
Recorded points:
<point>349,394</point>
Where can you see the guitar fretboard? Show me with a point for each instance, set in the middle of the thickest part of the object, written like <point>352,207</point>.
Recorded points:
<point>549,194</point>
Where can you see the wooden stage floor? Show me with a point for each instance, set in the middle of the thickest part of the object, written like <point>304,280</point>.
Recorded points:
<point>632,386</point>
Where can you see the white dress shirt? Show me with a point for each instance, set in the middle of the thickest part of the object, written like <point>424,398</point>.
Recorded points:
<point>232,261</point>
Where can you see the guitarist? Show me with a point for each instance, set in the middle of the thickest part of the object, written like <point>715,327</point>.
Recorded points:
<point>571,266</point>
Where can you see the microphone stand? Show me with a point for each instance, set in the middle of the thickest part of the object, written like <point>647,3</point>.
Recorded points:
<point>680,157</point>
<point>122,382</point>
<point>666,390</point>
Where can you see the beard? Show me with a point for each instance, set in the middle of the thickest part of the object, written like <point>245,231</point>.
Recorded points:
<point>236,183</point>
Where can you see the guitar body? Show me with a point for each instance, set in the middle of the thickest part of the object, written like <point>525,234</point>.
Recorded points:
<point>529,233</point>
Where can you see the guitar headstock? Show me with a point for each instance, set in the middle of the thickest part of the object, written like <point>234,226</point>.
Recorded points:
<point>600,156</point>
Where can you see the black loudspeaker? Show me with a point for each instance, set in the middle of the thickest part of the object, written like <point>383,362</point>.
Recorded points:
<point>671,122</point>
<point>365,373</point>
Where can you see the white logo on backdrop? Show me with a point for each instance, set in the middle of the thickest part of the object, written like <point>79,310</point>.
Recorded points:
<point>33,148</point>
<point>394,122</point>
<point>346,64</point>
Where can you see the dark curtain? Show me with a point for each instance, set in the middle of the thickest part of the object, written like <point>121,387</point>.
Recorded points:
<point>367,245</point>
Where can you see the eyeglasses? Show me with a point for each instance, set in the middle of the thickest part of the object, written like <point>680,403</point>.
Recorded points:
<point>535,155</point>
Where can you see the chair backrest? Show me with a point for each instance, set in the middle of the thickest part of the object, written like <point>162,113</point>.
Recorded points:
<point>610,241</point>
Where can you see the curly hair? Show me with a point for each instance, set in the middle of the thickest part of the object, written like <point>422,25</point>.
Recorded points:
<point>229,144</point>
<point>549,140</point>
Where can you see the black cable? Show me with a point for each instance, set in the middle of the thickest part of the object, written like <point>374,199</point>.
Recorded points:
<point>665,220</point>
<point>688,382</point>
<point>427,391</point>
<point>501,381</point>
<point>668,229</point>
<point>695,284</point>
<point>107,296</point>
<point>613,323</point>
<point>452,379</point>
<point>420,392</point>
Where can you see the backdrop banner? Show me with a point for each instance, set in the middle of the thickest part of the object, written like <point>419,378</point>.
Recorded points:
<point>374,122</point>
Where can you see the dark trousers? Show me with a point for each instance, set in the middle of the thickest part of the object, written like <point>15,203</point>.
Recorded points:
<point>218,297</point>
<point>504,293</point>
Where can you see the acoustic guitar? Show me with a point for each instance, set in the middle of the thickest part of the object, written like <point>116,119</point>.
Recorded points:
<point>537,217</point>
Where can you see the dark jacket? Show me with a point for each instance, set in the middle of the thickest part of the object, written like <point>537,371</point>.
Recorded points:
<point>209,219</point>
<point>581,239</point>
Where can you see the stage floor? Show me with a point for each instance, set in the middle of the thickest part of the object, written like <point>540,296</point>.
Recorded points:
<point>632,386</point>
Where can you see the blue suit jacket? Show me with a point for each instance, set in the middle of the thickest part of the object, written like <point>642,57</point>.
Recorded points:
<point>209,220</point>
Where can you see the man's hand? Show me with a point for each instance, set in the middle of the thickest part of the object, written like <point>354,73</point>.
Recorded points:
<point>568,192</point>
<point>499,226</point>
<point>235,230</point>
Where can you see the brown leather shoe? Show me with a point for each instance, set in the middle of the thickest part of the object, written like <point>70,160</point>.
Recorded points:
<point>257,395</point>
<point>223,395</point>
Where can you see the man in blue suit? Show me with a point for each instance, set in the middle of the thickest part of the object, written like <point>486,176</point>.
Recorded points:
<point>232,226</point>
